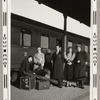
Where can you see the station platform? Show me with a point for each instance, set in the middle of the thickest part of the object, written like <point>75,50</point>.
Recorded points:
<point>54,93</point>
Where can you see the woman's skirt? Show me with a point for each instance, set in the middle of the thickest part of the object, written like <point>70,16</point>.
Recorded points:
<point>69,72</point>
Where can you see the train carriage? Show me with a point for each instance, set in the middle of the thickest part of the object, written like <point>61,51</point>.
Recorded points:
<point>27,35</point>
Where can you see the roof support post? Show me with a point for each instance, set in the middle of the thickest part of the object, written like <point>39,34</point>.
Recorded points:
<point>65,33</point>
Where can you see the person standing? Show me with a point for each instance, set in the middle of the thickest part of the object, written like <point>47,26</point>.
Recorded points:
<point>48,63</point>
<point>58,60</point>
<point>39,60</point>
<point>69,66</point>
<point>80,67</point>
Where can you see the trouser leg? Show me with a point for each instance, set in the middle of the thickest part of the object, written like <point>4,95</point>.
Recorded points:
<point>77,83</point>
<point>60,82</point>
<point>81,84</point>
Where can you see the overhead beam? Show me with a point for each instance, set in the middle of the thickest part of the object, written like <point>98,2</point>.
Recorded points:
<point>79,10</point>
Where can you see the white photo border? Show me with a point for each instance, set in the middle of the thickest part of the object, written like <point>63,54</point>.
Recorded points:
<point>6,42</point>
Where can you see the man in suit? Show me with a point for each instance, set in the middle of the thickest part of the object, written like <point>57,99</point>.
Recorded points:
<point>58,60</point>
<point>80,67</point>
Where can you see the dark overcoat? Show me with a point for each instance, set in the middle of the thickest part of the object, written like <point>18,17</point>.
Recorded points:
<point>80,68</point>
<point>48,64</point>
<point>58,60</point>
<point>26,66</point>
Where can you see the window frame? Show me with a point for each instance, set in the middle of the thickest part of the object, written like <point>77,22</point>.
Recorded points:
<point>45,35</point>
<point>25,31</point>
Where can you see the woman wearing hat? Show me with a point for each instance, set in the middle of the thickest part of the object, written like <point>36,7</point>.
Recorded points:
<point>69,66</point>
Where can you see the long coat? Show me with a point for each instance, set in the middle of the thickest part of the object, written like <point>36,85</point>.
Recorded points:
<point>58,60</point>
<point>48,64</point>
<point>80,68</point>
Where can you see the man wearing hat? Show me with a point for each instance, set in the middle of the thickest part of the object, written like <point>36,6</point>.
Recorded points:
<point>80,67</point>
<point>58,61</point>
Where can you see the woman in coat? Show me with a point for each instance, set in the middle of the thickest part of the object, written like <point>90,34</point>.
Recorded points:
<point>69,66</point>
<point>58,60</point>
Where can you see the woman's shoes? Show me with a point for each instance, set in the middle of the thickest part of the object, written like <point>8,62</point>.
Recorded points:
<point>68,84</point>
<point>60,86</point>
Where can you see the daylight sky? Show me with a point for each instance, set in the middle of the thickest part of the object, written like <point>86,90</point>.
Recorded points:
<point>41,13</point>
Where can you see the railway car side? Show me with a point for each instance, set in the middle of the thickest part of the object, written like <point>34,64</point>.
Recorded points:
<point>27,35</point>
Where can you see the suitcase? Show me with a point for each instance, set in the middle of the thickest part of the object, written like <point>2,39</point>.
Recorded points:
<point>41,85</point>
<point>27,82</point>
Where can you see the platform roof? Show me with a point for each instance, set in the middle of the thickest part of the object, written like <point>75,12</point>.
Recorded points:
<point>77,9</point>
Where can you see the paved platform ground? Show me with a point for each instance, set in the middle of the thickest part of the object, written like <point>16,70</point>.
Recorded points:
<point>54,93</point>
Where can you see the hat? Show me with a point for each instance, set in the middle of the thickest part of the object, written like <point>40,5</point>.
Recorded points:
<point>39,48</point>
<point>69,47</point>
<point>48,51</point>
<point>78,45</point>
<point>30,56</point>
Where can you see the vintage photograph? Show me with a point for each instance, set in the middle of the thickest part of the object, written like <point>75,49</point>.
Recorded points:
<point>50,49</point>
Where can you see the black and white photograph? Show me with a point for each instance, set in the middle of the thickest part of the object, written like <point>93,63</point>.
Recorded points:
<point>50,49</point>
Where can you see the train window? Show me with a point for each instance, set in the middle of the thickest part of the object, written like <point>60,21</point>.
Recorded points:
<point>25,38</point>
<point>70,44</point>
<point>59,41</point>
<point>44,41</point>
<point>86,48</point>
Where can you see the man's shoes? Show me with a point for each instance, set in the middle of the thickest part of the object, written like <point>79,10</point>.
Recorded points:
<point>66,85</point>
<point>82,87</point>
<point>60,86</point>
